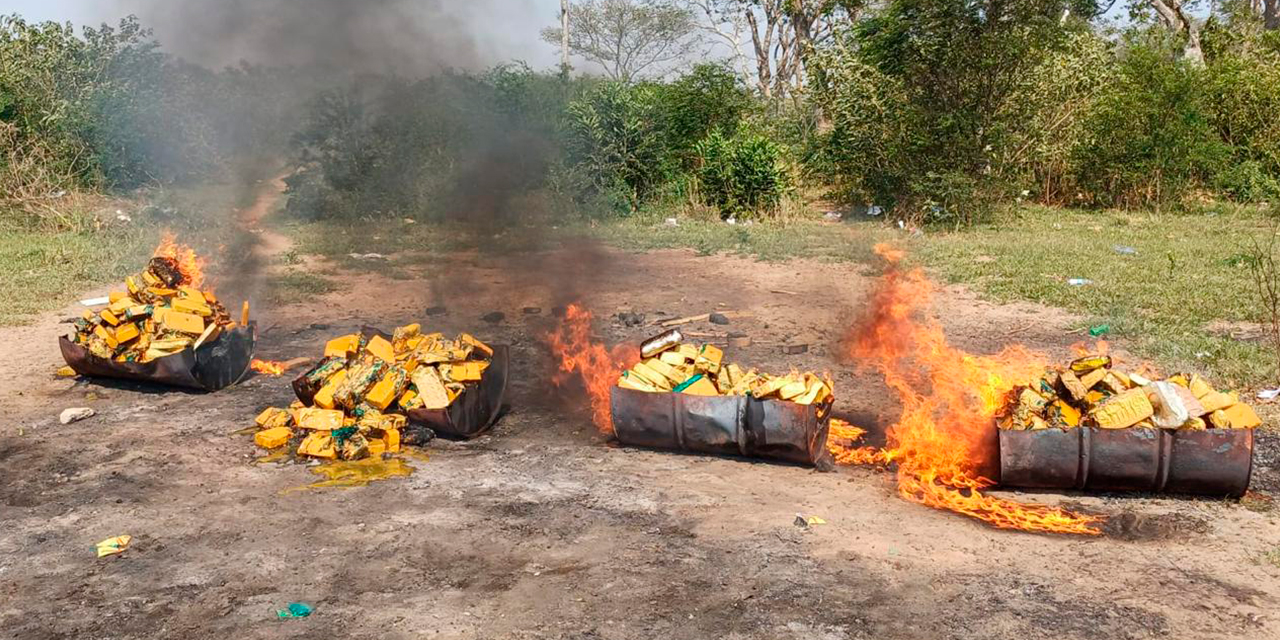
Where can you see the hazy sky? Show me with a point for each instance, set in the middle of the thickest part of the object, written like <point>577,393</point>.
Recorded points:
<point>492,31</point>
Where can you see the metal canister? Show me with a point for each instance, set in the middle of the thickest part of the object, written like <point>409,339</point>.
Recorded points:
<point>661,342</point>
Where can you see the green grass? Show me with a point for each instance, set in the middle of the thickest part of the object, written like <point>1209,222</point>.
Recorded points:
<point>1187,273</point>
<point>297,286</point>
<point>42,270</point>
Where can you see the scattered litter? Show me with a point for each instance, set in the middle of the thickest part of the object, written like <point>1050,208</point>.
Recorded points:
<point>1100,330</point>
<point>1079,282</point>
<point>123,217</point>
<point>65,372</point>
<point>702,317</point>
<point>75,414</point>
<point>1201,355</point>
<point>784,292</point>
<point>795,349</point>
<point>112,546</point>
<point>1269,394</point>
<point>1124,251</point>
<point>294,610</point>
<point>833,216</point>
<point>875,210</point>
<point>532,311</point>
<point>804,522</point>
<point>671,222</point>
<point>631,319</point>
<point>409,221</point>
<point>96,302</point>
<point>367,256</point>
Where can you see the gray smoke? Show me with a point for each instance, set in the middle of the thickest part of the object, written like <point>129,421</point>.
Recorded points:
<point>405,37</point>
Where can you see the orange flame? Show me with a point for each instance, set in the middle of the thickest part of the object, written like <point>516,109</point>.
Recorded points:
<point>268,367</point>
<point>944,442</point>
<point>597,366</point>
<point>191,265</point>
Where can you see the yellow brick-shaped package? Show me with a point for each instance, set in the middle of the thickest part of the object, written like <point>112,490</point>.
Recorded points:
<point>183,322</point>
<point>324,397</point>
<point>343,346</point>
<point>273,438</point>
<point>1236,416</point>
<point>709,359</point>
<point>381,349</point>
<point>1124,410</point>
<point>393,383</point>
<point>471,371</point>
<point>701,386</point>
<point>319,419</point>
<point>273,417</point>
<point>318,444</point>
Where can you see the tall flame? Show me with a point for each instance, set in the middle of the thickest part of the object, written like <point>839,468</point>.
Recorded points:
<point>597,366</point>
<point>944,442</point>
<point>191,265</point>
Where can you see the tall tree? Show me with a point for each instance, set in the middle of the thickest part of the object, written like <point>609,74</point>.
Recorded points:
<point>564,36</point>
<point>726,20</point>
<point>628,38</point>
<point>1173,15</point>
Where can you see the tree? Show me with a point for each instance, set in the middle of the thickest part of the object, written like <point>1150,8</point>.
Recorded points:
<point>1174,17</point>
<point>726,20</point>
<point>628,38</point>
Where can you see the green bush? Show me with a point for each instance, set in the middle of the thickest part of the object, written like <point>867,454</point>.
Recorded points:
<point>708,98</point>
<point>1150,141</point>
<point>743,176</point>
<point>616,136</point>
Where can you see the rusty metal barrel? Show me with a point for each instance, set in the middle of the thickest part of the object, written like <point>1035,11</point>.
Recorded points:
<point>721,425</point>
<point>1216,462</point>
<point>216,364</point>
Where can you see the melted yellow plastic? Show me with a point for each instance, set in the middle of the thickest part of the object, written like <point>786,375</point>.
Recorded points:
<point>357,473</point>
<point>274,456</point>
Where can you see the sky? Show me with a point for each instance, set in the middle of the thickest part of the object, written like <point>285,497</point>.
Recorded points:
<point>493,31</point>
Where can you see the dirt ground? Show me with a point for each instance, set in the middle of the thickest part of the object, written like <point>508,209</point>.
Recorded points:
<point>543,529</point>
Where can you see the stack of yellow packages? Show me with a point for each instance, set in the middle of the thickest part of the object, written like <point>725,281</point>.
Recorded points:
<point>160,313</point>
<point>1090,392</point>
<point>362,388</point>
<point>672,366</point>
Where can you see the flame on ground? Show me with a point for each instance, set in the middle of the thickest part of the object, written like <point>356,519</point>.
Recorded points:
<point>598,367</point>
<point>191,265</point>
<point>268,367</point>
<point>945,437</point>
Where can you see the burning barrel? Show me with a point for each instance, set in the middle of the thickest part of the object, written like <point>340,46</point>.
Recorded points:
<point>681,397</point>
<point>1089,426</point>
<point>163,328</point>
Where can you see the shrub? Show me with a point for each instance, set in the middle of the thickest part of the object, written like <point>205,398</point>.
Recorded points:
<point>1150,141</point>
<point>742,176</point>
<point>615,132</point>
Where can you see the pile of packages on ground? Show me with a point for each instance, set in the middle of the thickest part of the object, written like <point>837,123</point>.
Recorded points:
<point>158,314</point>
<point>670,365</point>
<point>362,388</point>
<point>1089,392</point>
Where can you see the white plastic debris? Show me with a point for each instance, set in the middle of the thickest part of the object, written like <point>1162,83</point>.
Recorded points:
<point>75,414</point>
<point>671,222</point>
<point>94,302</point>
<point>1269,394</point>
<point>1079,282</point>
<point>367,256</point>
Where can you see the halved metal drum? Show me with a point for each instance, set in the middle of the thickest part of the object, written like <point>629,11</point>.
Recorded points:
<point>1211,462</point>
<point>721,425</point>
<point>471,414</point>
<point>216,364</point>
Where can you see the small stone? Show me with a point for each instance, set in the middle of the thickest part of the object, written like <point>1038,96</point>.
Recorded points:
<point>494,317</point>
<point>532,311</point>
<point>318,326</point>
<point>795,349</point>
<point>437,310</point>
<point>75,414</point>
<point>739,340</point>
<point>629,319</point>
<point>719,318</point>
